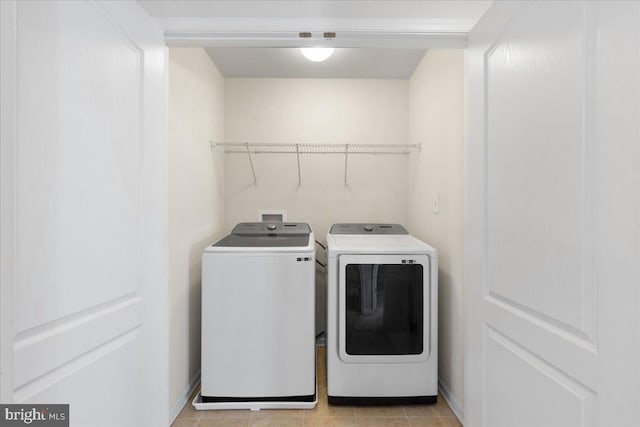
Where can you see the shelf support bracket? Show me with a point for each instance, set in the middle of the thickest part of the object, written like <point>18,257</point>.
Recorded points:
<point>298,156</point>
<point>253,172</point>
<point>346,159</point>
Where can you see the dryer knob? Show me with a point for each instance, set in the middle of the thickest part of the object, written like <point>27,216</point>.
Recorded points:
<point>368,228</point>
<point>272,226</point>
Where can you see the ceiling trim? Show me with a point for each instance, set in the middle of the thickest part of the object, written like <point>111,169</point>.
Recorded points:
<point>350,32</point>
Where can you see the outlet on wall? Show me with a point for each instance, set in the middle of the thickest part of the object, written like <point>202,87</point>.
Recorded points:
<point>272,215</point>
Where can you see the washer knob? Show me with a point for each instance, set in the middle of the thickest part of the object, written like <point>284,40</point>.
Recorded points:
<point>272,227</point>
<point>368,228</point>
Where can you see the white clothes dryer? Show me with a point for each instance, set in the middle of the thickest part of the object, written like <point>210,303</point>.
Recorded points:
<point>382,293</point>
<point>258,319</point>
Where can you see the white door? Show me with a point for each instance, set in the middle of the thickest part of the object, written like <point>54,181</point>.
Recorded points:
<point>553,197</point>
<point>83,192</point>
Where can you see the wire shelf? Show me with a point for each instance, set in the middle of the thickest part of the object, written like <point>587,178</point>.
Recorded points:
<point>265,148</point>
<point>250,148</point>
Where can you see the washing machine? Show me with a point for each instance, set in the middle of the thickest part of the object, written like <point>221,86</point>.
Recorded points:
<point>382,332</point>
<point>258,319</point>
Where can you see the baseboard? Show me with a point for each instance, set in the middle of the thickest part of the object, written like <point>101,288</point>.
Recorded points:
<point>452,401</point>
<point>177,406</point>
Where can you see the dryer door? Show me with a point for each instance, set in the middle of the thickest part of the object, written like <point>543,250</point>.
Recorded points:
<point>384,308</point>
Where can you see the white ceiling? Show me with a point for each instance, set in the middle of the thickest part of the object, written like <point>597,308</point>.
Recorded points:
<point>364,63</point>
<point>388,9</point>
<point>375,39</point>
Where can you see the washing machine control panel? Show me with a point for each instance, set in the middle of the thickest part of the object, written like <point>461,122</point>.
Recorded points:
<point>267,234</point>
<point>266,228</point>
<point>367,229</point>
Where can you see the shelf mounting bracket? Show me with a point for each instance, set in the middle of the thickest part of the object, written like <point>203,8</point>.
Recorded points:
<point>346,158</point>
<point>298,156</point>
<point>253,172</point>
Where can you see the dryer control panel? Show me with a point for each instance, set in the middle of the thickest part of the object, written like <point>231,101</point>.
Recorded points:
<point>367,229</point>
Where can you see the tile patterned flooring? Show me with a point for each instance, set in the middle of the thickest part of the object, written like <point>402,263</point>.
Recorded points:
<point>438,415</point>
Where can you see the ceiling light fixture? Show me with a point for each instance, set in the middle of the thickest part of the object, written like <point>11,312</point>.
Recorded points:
<point>317,54</point>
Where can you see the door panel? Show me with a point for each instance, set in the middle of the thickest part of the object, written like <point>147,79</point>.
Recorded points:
<point>113,382</point>
<point>515,377</point>
<point>79,334</point>
<point>537,240</point>
<point>84,211</point>
<point>88,142</point>
<point>80,130</point>
<point>552,302</point>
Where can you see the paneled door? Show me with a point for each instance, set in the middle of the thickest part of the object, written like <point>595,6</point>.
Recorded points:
<point>83,191</point>
<point>552,217</point>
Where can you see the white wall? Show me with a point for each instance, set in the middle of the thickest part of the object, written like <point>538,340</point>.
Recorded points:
<point>317,111</point>
<point>196,116</point>
<point>436,120</point>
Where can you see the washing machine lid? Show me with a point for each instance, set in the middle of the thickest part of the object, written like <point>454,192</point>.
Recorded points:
<point>363,228</point>
<point>267,235</point>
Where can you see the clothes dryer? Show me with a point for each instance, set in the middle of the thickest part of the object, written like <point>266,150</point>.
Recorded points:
<point>382,293</point>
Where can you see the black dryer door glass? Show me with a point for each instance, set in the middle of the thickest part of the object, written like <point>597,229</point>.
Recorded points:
<point>385,309</point>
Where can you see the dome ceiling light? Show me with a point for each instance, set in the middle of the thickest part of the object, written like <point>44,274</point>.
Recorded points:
<point>317,54</point>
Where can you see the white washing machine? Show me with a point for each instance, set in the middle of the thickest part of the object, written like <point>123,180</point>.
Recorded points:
<point>258,319</point>
<point>382,293</point>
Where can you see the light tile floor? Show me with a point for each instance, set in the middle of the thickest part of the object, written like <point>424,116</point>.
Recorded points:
<point>437,415</point>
